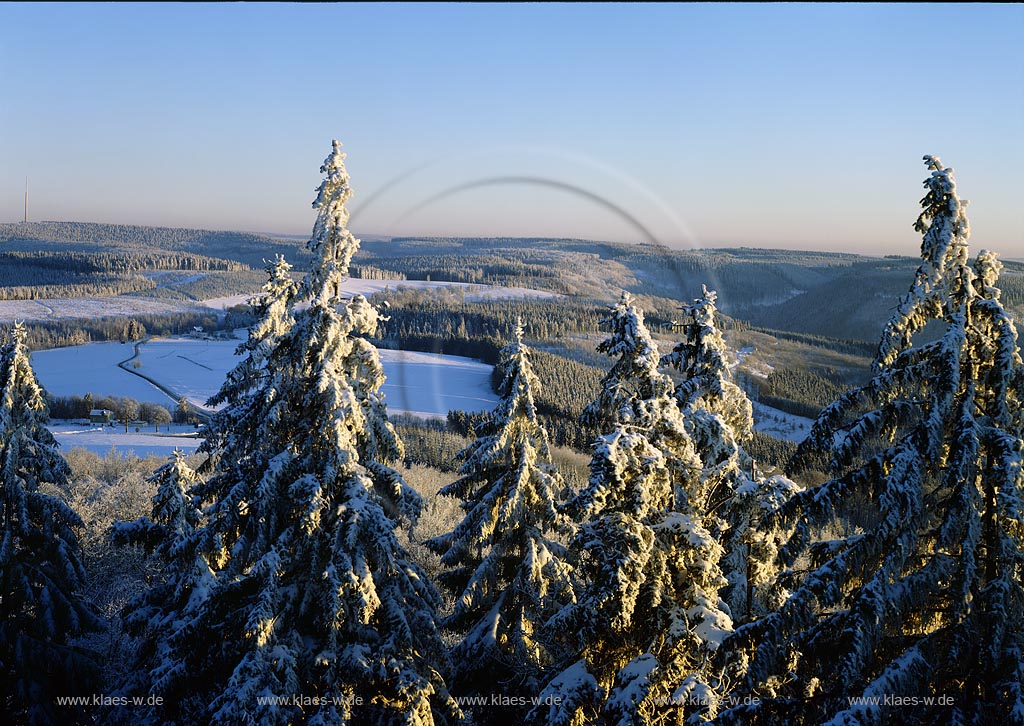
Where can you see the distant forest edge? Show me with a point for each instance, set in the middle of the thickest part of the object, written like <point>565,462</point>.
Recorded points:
<point>66,274</point>
<point>43,335</point>
<point>245,247</point>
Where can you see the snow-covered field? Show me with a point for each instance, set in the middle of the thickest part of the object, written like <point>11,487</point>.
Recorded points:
<point>428,384</point>
<point>122,305</point>
<point>93,307</point>
<point>780,424</point>
<point>757,367</point>
<point>424,384</point>
<point>770,420</point>
<point>93,369</point>
<point>472,292</point>
<point>100,439</point>
<point>189,367</point>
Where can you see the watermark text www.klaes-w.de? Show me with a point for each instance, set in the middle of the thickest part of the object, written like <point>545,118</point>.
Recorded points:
<point>494,700</point>
<point>100,699</point>
<point>895,701</point>
<point>882,701</point>
<point>503,700</point>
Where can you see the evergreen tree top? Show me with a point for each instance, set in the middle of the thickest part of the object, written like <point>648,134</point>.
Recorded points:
<point>634,378</point>
<point>332,244</point>
<point>944,277</point>
<point>703,352</point>
<point>943,220</point>
<point>702,359</point>
<point>518,387</point>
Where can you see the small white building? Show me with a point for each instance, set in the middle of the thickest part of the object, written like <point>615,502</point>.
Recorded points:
<point>101,416</point>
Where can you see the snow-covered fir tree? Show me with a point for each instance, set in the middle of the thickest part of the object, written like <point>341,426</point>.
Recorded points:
<point>317,615</point>
<point>155,616</point>
<point>718,413</point>
<point>735,501</point>
<point>174,531</point>
<point>41,572</point>
<point>273,309</point>
<point>508,575</point>
<point>649,617</point>
<point>752,543</point>
<point>926,600</point>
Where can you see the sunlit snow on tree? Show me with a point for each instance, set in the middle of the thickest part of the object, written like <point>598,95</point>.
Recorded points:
<point>314,598</point>
<point>649,618</point>
<point>508,575</point>
<point>41,572</point>
<point>928,599</point>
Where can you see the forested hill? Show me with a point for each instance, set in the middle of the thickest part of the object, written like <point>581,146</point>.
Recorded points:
<point>838,295</point>
<point>244,247</point>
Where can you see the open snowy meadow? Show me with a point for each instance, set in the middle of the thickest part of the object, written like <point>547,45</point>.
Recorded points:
<point>471,292</point>
<point>92,369</point>
<point>427,385</point>
<point>126,305</point>
<point>422,384</point>
<point>144,442</point>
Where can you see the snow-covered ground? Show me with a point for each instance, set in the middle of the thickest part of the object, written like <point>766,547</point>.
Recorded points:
<point>100,439</point>
<point>770,420</point>
<point>93,369</point>
<point>780,424</point>
<point>741,355</point>
<point>476,293</point>
<point>173,278</point>
<point>757,367</point>
<point>424,384</point>
<point>429,384</point>
<point>223,303</point>
<point>122,305</point>
<point>94,307</point>
<point>472,292</point>
<point>191,368</point>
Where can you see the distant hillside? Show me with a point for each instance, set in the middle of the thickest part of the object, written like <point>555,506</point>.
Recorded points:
<point>244,247</point>
<point>836,295</point>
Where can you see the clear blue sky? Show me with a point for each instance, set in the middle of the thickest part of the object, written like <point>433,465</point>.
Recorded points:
<point>737,124</point>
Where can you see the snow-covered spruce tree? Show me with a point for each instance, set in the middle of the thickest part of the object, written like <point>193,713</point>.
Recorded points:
<point>649,617</point>
<point>239,395</point>
<point>752,543</point>
<point>273,308</point>
<point>317,615</point>
<point>717,415</point>
<point>509,577</point>
<point>928,601</point>
<point>173,530</point>
<point>41,573</point>
<point>155,615</point>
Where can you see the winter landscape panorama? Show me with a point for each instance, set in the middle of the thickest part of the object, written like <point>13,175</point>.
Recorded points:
<point>634,364</point>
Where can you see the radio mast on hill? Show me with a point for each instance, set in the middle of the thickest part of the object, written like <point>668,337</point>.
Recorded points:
<point>26,199</point>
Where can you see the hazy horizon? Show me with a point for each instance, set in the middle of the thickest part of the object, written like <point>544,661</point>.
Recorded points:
<point>787,126</point>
